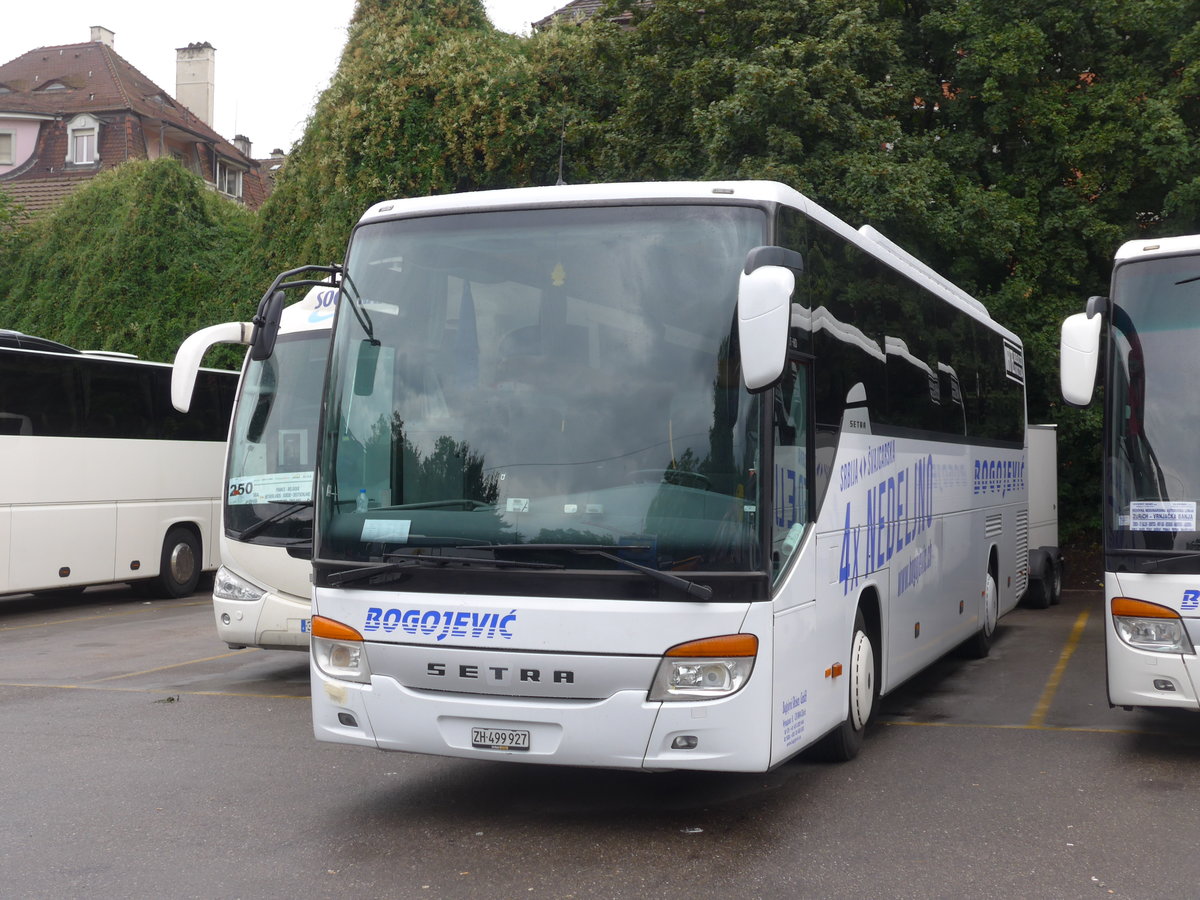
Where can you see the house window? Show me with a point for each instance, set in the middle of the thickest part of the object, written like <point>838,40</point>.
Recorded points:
<point>83,145</point>
<point>82,133</point>
<point>6,148</point>
<point>229,180</point>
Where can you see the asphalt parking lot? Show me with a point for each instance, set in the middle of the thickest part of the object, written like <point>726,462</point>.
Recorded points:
<point>143,758</point>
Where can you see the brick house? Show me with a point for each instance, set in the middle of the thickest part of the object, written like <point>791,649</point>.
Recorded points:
<point>70,112</point>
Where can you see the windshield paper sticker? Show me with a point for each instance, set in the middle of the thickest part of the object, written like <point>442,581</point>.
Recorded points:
<point>1162,515</point>
<point>275,487</point>
<point>392,531</point>
<point>441,622</point>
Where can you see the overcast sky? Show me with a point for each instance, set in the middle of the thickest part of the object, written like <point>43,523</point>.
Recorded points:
<point>272,62</point>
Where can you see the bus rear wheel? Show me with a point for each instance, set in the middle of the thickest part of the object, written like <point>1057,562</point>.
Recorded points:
<point>844,742</point>
<point>179,567</point>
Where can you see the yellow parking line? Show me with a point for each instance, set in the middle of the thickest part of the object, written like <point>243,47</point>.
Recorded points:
<point>1038,720</point>
<point>1079,729</point>
<point>190,662</point>
<point>108,615</point>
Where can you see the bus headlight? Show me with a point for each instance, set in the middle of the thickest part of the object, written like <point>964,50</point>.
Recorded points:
<point>338,651</point>
<point>705,670</point>
<point>228,586</point>
<point>1148,626</point>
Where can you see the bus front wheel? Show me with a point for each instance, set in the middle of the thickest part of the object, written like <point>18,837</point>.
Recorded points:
<point>179,568</point>
<point>845,741</point>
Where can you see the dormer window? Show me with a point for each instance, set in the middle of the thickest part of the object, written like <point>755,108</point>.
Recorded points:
<point>53,86</point>
<point>7,148</point>
<point>83,133</point>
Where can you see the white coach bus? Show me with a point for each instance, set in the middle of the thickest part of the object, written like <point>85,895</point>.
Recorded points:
<point>261,593</point>
<point>657,476</point>
<point>103,481</point>
<point>1151,467</point>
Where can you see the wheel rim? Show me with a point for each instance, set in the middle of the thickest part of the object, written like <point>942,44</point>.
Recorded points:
<point>862,680</point>
<point>990,605</point>
<point>182,563</point>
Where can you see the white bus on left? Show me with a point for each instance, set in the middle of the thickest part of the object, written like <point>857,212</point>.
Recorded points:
<point>104,481</point>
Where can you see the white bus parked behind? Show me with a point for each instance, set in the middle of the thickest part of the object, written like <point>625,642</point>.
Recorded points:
<point>261,593</point>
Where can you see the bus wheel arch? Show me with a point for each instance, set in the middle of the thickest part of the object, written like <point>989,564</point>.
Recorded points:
<point>181,562</point>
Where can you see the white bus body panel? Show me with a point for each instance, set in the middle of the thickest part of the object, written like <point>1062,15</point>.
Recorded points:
<point>82,503</point>
<point>280,619</point>
<point>1132,672</point>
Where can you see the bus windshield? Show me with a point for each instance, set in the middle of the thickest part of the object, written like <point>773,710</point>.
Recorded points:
<point>564,378</point>
<point>272,447</point>
<point>1153,466</point>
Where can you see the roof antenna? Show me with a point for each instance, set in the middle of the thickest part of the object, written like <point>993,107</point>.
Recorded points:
<point>562,139</point>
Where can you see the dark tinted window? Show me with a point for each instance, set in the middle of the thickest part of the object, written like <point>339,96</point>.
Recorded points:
<point>59,395</point>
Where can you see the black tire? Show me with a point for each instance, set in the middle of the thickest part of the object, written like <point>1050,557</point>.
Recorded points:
<point>979,645</point>
<point>844,742</point>
<point>1056,580</point>
<point>179,567</point>
<point>1040,589</point>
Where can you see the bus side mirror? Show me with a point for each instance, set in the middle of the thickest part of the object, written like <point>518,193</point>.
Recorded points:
<point>191,352</point>
<point>1079,354</point>
<point>764,313</point>
<point>364,369</point>
<point>266,326</point>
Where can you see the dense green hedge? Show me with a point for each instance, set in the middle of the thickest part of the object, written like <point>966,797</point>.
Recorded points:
<point>1013,146</point>
<point>134,261</point>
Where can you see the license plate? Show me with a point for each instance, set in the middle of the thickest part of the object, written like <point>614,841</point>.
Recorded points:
<point>499,739</point>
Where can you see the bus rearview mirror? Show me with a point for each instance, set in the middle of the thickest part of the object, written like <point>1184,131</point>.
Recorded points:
<point>266,326</point>
<point>364,369</point>
<point>764,313</point>
<point>1079,355</point>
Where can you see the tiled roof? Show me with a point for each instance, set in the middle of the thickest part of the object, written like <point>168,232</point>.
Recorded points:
<point>40,194</point>
<point>95,80</point>
<point>579,11</point>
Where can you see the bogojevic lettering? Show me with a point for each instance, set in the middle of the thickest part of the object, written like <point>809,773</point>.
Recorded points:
<point>443,623</point>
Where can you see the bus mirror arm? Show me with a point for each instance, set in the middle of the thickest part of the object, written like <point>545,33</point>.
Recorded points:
<point>191,352</point>
<point>764,313</point>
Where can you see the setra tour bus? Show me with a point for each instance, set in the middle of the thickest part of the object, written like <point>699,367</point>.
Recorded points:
<point>1151,320</point>
<point>655,476</point>
<point>261,593</point>
<point>105,482</point>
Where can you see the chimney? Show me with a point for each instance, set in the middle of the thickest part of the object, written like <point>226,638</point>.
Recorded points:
<point>243,144</point>
<point>101,35</point>
<point>195,84</point>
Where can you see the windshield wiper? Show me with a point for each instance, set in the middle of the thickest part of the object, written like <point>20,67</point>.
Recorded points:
<point>701,591</point>
<point>246,533</point>
<point>402,561</point>
<point>1158,558</point>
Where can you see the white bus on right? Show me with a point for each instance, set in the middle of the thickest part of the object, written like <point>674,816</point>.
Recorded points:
<point>1151,465</point>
